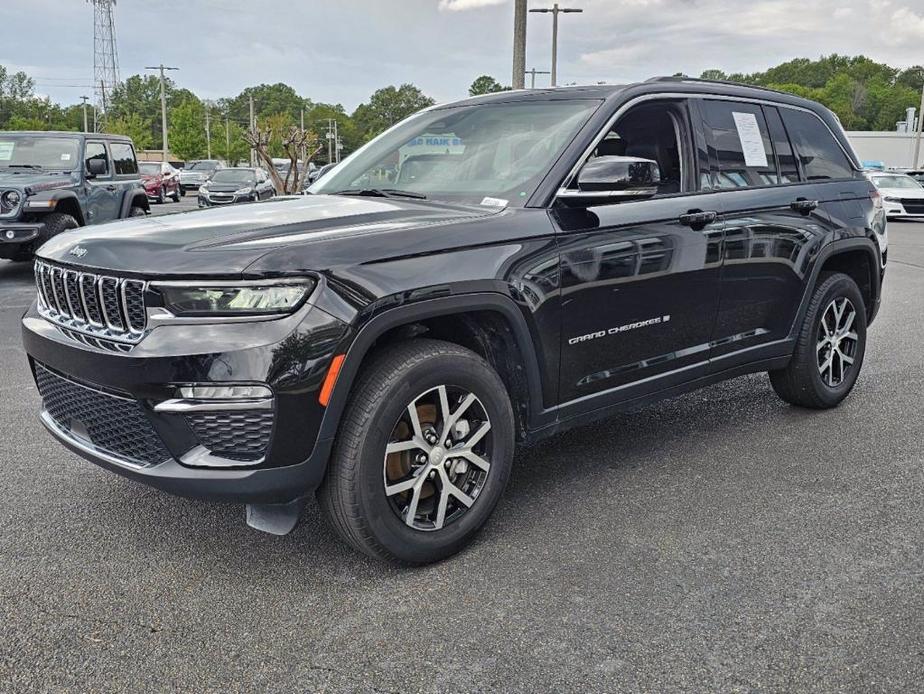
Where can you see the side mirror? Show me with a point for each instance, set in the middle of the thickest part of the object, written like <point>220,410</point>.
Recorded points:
<point>96,167</point>
<point>617,177</point>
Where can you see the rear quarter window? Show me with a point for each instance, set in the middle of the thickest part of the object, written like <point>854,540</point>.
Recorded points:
<point>123,158</point>
<point>819,153</point>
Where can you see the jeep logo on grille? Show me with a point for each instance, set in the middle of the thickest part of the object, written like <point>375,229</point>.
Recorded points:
<point>78,251</point>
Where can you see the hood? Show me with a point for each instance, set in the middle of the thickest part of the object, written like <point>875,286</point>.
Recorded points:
<point>224,241</point>
<point>195,174</point>
<point>37,180</point>
<point>228,187</point>
<point>902,192</point>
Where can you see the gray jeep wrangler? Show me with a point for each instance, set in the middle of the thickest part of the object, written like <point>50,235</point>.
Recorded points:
<point>54,181</point>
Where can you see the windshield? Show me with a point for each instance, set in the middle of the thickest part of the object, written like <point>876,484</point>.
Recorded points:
<point>24,151</point>
<point>233,176</point>
<point>481,154</point>
<point>896,182</point>
<point>148,169</point>
<point>206,165</point>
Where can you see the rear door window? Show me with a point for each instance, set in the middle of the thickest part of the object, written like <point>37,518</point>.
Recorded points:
<point>739,144</point>
<point>123,157</point>
<point>819,153</point>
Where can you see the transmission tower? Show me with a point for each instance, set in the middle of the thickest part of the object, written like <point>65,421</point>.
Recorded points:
<point>105,57</point>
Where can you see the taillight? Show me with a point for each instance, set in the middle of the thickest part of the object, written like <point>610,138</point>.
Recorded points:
<point>876,198</point>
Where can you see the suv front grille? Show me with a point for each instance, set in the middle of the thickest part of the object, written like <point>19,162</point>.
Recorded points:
<point>114,425</point>
<point>106,307</point>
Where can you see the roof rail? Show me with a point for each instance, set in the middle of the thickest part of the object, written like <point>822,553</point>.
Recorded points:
<point>672,78</point>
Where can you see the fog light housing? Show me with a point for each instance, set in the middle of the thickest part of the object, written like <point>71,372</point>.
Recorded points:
<point>224,392</point>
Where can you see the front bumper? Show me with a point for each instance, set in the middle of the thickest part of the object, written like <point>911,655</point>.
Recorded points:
<point>895,208</point>
<point>18,233</point>
<point>290,355</point>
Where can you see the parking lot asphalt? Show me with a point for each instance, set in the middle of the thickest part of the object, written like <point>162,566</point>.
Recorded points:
<point>719,541</point>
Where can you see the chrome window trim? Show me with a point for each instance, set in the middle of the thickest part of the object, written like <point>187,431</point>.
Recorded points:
<point>689,95</point>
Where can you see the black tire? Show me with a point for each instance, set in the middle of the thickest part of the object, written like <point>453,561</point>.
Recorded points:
<point>176,194</point>
<point>161,195</point>
<point>55,223</point>
<point>182,191</point>
<point>353,492</point>
<point>137,211</point>
<point>801,383</point>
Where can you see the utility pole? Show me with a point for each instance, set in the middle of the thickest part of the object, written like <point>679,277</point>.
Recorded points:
<point>253,129</point>
<point>532,76</point>
<point>227,139</point>
<point>556,10</point>
<point>337,144</point>
<point>519,43</point>
<point>85,98</point>
<point>301,118</point>
<point>330,140</point>
<point>163,104</point>
<point>917,139</point>
<point>208,133</point>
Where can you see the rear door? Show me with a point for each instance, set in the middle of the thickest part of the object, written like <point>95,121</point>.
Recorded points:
<point>774,223</point>
<point>102,202</point>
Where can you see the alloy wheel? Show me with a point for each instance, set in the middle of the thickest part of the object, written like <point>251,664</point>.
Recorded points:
<point>438,458</point>
<point>837,341</point>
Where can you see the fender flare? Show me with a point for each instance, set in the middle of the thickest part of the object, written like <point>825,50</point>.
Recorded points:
<point>827,252</point>
<point>431,308</point>
<point>128,199</point>
<point>60,195</point>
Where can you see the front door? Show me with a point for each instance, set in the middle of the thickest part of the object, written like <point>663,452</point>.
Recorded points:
<point>640,279</point>
<point>102,199</point>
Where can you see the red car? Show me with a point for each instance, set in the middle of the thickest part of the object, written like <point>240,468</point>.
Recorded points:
<point>161,181</point>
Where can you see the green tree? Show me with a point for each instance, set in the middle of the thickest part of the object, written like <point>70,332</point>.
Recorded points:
<point>187,130</point>
<point>485,84</point>
<point>713,75</point>
<point>387,106</point>
<point>134,127</point>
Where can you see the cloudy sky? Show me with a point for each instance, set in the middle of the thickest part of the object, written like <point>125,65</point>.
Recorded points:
<point>342,50</point>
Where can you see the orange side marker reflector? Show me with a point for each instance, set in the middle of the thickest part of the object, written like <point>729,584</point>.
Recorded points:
<point>330,380</point>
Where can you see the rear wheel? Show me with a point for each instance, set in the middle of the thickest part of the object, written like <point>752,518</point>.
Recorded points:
<point>423,453</point>
<point>830,349</point>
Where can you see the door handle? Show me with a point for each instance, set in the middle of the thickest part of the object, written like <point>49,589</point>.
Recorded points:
<point>803,205</point>
<point>697,219</point>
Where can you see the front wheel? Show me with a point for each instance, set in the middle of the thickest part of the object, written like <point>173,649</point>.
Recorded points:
<point>423,454</point>
<point>137,211</point>
<point>830,348</point>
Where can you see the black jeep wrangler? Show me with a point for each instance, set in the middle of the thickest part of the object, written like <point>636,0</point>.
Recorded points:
<point>54,181</point>
<point>486,273</point>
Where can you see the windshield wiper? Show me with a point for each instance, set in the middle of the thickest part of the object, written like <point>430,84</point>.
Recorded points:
<point>382,193</point>
<point>24,166</point>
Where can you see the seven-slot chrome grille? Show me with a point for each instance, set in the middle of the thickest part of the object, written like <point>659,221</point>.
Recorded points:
<point>111,308</point>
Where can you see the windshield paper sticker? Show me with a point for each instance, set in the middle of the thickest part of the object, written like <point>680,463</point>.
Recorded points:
<point>6,151</point>
<point>494,202</point>
<point>752,143</point>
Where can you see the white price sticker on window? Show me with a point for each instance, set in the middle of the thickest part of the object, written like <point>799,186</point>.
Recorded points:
<point>6,151</point>
<point>752,143</point>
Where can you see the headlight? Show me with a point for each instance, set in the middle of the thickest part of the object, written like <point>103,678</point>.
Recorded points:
<point>228,300</point>
<point>244,191</point>
<point>11,198</point>
<point>889,198</point>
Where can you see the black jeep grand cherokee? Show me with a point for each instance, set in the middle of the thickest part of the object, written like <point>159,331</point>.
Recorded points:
<point>484,273</point>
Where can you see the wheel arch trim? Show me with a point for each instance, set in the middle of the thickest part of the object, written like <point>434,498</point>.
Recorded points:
<point>830,250</point>
<point>432,308</point>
